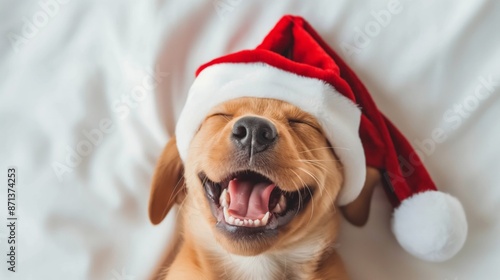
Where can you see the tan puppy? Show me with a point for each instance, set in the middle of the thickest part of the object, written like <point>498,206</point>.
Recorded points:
<point>257,195</point>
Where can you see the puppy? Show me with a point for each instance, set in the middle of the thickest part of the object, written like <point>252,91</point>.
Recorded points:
<point>257,195</point>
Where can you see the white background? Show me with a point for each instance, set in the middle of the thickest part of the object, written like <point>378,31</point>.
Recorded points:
<point>67,68</point>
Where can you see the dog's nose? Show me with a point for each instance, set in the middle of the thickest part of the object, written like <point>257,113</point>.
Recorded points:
<point>254,134</point>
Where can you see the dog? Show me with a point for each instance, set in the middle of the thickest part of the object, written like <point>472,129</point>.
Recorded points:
<point>257,195</point>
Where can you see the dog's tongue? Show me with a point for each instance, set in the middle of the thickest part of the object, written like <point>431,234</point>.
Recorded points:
<point>249,200</point>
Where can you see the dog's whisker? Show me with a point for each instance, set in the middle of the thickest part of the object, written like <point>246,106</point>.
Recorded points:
<point>181,205</point>
<point>318,160</point>
<point>321,189</point>
<point>315,149</point>
<point>325,148</point>
<point>178,190</point>
<point>174,191</point>
<point>298,191</point>
<point>312,205</point>
<point>319,165</point>
<point>311,175</point>
<point>309,189</point>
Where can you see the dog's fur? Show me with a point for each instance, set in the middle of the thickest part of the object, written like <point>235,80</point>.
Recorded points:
<point>301,158</point>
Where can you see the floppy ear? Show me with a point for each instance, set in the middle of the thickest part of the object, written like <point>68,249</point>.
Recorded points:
<point>168,183</point>
<point>357,212</point>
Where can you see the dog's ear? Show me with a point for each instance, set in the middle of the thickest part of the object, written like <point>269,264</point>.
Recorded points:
<point>357,212</point>
<point>167,187</point>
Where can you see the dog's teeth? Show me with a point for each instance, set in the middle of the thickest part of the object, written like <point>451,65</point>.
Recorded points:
<point>256,222</point>
<point>282,202</point>
<point>265,219</point>
<point>224,198</point>
<point>245,222</point>
<point>221,198</point>
<point>280,206</point>
<point>277,208</point>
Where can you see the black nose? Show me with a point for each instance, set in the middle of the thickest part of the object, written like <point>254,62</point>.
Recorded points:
<point>253,134</point>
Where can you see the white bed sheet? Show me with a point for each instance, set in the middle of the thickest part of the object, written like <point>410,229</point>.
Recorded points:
<point>75,68</point>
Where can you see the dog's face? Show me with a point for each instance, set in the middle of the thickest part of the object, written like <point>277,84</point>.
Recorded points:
<point>260,172</point>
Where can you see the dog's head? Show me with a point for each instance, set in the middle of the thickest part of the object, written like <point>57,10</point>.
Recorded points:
<point>259,171</point>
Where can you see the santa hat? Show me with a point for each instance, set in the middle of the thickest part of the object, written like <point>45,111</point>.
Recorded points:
<point>295,65</point>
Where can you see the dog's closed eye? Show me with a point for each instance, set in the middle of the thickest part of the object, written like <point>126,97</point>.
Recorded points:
<point>295,122</point>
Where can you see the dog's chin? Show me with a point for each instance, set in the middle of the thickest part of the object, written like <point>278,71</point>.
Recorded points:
<point>250,210</point>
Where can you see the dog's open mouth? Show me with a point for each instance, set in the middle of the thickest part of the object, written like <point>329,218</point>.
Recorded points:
<point>250,200</point>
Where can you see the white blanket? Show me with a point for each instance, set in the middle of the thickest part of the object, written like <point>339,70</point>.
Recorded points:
<point>91,91</point>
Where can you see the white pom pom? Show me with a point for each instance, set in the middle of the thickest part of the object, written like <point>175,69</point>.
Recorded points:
<point>430,225</point>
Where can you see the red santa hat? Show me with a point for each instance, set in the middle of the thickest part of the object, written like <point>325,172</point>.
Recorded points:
<point>295,65</point>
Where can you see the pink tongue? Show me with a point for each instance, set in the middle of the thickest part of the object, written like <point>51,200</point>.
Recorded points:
<point>249,200</point>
